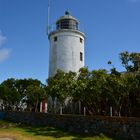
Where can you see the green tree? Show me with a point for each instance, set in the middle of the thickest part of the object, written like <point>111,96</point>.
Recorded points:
<point>53,88</point>
<point>115,91</point>
<point>131,61</point>
<point>60,87</point>
<point>96,92</point>
<point>131,89</point>
<point>9,95</point>
<point>35,94</point>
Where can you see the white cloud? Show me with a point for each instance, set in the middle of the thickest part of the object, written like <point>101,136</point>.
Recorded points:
<point>4,54</point>
<point>2,39</point>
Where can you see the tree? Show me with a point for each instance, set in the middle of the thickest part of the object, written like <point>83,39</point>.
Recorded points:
<point>96,92</point>
<point>53,88</point>
<point>9,95</point>
<point>32,91</point>
<point>35,94</point>
<point>115,91</point>
<point>60,87</point>
<point>131,61</point>
<point>132,90</point>
<point>17,93</point>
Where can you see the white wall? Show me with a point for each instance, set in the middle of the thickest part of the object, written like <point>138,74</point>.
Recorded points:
<point>65,52</point>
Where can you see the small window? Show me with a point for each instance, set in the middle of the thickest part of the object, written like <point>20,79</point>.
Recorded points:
<point>81,56</point>
<point>55,38</point>
<point>81,40</point>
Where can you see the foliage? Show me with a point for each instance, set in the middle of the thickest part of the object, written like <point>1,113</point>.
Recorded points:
<point>61,86</point>
<point>21,94</point>
<point>131,61</point>
<point>96,90</point>
<point>9,95</point>
<point>35,94</point>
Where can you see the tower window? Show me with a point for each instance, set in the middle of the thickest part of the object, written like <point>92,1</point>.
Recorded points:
<point>55,38</point>
<point>81,56</point>
<point>81,40</point>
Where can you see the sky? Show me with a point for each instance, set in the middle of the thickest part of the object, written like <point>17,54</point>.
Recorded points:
<point>110,26</point>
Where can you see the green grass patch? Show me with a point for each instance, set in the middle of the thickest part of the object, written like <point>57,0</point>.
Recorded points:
<point>26,132</point>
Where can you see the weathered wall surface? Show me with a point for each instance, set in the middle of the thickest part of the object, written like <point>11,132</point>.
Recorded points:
<point>124,127</point>
<point>65,52</point>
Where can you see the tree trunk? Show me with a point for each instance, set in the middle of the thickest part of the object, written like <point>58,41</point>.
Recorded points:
<point>36,105</point>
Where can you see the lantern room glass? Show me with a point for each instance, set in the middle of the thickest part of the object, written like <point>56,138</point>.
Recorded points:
<point>67,24</point>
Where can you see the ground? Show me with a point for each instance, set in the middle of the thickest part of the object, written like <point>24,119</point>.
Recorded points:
<point>25,132</point>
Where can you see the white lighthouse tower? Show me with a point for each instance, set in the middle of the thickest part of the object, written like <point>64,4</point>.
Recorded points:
<point>66,46</point>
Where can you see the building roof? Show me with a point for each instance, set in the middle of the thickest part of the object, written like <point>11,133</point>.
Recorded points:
<point>67,16</point>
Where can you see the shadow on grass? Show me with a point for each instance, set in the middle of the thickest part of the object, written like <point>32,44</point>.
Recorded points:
<point>57,133</point>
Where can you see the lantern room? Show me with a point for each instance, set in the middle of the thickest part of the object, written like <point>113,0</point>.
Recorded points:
<point>67,22</point>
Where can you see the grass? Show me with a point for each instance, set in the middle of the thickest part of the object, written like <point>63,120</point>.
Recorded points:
<point>25,132</point>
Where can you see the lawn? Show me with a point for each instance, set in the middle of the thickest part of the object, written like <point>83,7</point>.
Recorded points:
<point>25,132</point>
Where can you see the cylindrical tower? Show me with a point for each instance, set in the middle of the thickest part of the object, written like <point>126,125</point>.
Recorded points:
<point>66,46</point>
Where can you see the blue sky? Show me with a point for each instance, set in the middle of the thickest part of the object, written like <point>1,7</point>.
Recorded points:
<point>111,26</point>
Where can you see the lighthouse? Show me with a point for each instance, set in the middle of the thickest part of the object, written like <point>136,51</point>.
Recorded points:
<point>66,50</point>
